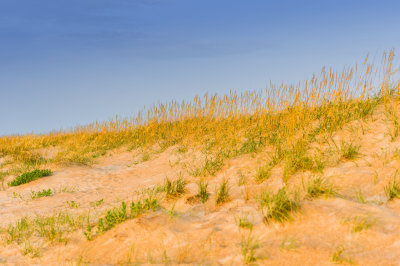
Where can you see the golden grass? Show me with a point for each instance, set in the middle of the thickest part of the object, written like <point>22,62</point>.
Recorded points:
<point>283,119</point>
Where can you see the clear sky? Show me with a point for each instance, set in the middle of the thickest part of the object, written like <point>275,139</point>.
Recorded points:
<point>70,62</point>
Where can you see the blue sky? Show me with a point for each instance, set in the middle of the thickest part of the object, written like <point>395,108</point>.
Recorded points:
<point>70,62</point>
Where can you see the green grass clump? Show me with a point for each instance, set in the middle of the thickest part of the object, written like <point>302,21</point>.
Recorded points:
<point>210,167</point>
<point>97,203</point>
<point>113,217</point>
<point>42,193</point>
<point>2,175</point>
<point>340,257</point>
<point>29,176</point>
<point>29,249</point>
<point>279,206</point>
<point>243,222</point>
<point>222,192</point>
<point>249,247</point>
<point>145,157</point>
<point>203,194</point>
<point>318,186</point>
<point>263,173</point>
<point>360,223</point>
<point>349,151</point>
<point>392,190</point>
<point>73,204</point>
<point>16,232</point>
<point>174,188</point>
<point>297,159</point>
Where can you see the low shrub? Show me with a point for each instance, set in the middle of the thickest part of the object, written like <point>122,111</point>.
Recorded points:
<point>29,176</point>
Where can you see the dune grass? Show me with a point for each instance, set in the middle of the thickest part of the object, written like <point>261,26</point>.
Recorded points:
<point>203,193</point>
<point>318,186</point>
<point>392,189</point>
<point>283,119</point>
<point>222,193</point>
<point>280,206</point>
<point>174,188</point>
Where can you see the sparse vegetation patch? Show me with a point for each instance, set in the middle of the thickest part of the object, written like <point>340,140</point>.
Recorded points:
<point>120,214</point>
<point>42,193</point>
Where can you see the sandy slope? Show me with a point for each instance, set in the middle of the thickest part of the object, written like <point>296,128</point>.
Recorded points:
<point>208,234</point>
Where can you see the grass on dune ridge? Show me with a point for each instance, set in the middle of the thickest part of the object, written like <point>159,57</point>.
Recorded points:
<point>284,119</point>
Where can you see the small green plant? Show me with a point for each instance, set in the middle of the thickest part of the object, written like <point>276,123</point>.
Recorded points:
<point>360,223</point>
<point>171,212</point>
<point>29,176</point>
<point>17,195</point>
<point>249,246</point>
<point>319,163</point>
<point>29,249</point>
<point>222,192</point>
<point>97,203</point>
<point>182,149</point>
<point>50,230</point>
<point>279,206</point>
<point>243,222</point>
<point>66,189</point>
<point>2,175</point>
<point>174,188</point>
<point>147,204</point>
<point>210,167</point>
<point>318,186</point>
<point>296,158</point>
<point>42,193</point>
<point>391,115</point>
<point>115,216</point>
<point>289,243</point>
<point>339,256</point>
<point>392,189</point>
<point>203,194</point>
<point>18,232</point>
<point>242,179</point>
<point>360,197</point>
<point>263,173</point>
<point>145,157</point>
<point>349,151</point>
<point>88,233</point>
<point>73,204</point>
<point>120,214</point>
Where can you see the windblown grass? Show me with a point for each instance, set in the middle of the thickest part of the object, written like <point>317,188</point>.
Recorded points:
<point>318,186</point>
<point>280,206</point>
<point>174,188</point>
<point>392,189</point>
<point>283,119</point>
<point>203,194</point>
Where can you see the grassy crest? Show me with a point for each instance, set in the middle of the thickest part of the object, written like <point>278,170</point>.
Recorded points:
<point>284,119</point>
